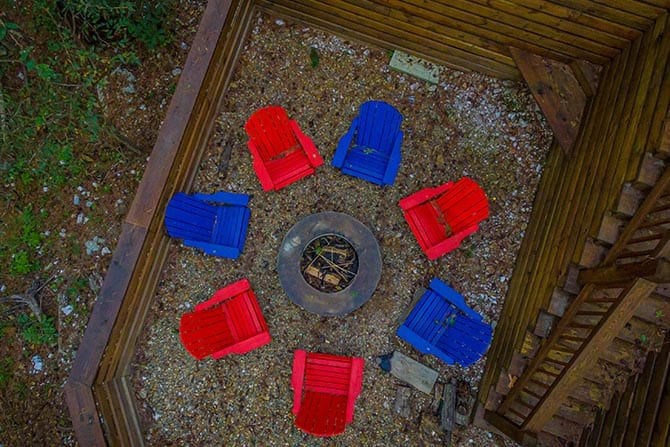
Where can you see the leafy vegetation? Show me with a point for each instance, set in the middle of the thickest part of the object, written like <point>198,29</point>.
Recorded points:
<point>38,331</point>
<point>56,57</point>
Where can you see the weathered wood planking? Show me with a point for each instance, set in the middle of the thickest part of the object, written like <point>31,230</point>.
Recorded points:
<point>447,46</point>
<point>557,92</point>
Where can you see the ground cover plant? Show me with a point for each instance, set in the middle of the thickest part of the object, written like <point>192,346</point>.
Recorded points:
<point>83,86</point>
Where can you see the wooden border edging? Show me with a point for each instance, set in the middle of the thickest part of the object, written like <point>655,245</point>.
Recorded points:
<point>142,247</point>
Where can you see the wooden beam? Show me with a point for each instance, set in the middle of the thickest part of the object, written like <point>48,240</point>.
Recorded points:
<point>619,314</point>
<point>656,270</point>
<point>557,92</point>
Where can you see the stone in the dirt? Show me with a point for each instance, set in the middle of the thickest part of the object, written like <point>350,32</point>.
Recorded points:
<point>38,364</point>
<point>409,370</point>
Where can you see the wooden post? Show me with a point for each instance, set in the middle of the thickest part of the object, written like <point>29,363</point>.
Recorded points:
<point>656,270</point>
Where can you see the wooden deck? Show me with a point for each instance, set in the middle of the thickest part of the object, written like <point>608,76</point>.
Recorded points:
<point>587,199</point>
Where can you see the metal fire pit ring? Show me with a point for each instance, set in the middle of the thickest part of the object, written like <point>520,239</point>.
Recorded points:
<point>361,287</point>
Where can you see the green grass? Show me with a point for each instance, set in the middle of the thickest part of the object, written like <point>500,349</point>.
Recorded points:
<point>37,331</point>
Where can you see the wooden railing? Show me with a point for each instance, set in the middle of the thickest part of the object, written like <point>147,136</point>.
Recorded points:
<point>99,395</point>
<point>610,293</point>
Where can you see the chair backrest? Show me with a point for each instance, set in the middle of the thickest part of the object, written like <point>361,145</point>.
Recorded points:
<point>271,132</point>
<point>463,205</point>
<point>187,217</point>
<point>325,389</point>
<point>378,125</point>
<point>231,321</point>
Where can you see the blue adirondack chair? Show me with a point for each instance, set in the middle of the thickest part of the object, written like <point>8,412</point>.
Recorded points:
<point>370,150</point>
<point>442,324</point>
<point>215,223</point>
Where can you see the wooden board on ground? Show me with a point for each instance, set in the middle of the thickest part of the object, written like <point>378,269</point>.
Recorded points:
<point>448,413</point>
<point>415,66</point>
<point>409,370</point>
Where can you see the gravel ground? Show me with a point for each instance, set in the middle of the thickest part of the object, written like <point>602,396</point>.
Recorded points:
<point>467,125</point>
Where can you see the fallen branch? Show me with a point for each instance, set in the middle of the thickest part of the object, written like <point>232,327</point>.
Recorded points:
<point>26,299</point>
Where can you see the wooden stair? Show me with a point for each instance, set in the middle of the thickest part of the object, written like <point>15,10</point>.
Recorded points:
<point>640,414</point>
<point>595,335</point>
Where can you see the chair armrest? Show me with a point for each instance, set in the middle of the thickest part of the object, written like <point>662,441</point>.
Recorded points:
<point>453,297</point>
<point>229,198</point>
<point>298,378</point>
<point>344,144</point>
<point>450,243</point>
<point>423,196</point>
<point>394,160</point>
<point>260,168</point>
<point>307,145</point>
<point>225,293</point>
<point>355,386</point>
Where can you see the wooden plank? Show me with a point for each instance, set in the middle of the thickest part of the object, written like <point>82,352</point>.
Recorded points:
<point>410,371</point>
<point>84,413</point>
<point>656,270</point>
<point>468,17</point>
<point>510,429</point>
<point>401,404</point>
<point>569,24</point>
<point>654,396</point>
<point>556,91</point>
<point>639,399</point>
<point>608,13</point>
<point>448,412</point>
<point>662,425</point>
<point>593,210</point>
<point>623,414</point>
<point>609,423</point>
<point>587,18</point>
<point>662,111</point>
<point>463,56</point>
<point>500,351</point>
<point>588,76</point>
<point>617,317</point>
<point>638,8</point>
<point>141,215</point>
<point>107,305</point>
<point>663,146</point>
<point>504,26</point>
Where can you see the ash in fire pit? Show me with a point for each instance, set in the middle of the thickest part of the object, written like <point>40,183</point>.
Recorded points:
<point>329,263</point>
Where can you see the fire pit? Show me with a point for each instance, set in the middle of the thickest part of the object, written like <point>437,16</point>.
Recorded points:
<point>329,263</point>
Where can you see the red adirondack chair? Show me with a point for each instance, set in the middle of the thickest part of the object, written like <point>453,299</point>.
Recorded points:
<point>442,217</point>
<point>325,387</point>
<point>282,153</point>
<point>229,322</point>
